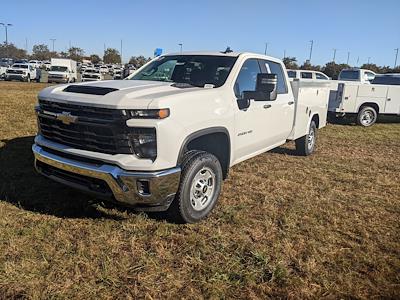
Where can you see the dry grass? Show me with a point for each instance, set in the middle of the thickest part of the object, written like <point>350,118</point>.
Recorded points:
<point>286,226</point>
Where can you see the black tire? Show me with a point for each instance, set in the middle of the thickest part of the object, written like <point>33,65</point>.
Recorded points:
<point>306,144</point>
<point>367,116</point>
<point>28,79</point>
<point>196,166</point>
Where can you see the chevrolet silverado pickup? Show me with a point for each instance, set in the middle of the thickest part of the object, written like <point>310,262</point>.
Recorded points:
<point>165,138</point>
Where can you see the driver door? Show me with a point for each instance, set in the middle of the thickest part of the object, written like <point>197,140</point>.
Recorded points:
<point>252,123</point>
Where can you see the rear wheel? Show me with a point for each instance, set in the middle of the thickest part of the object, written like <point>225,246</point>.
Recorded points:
<point>199,188</point>
<point>306,144</point>
<point>367,116</point>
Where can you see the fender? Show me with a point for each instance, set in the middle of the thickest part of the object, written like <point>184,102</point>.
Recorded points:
<point>200,133</point>
<point>367,103</point>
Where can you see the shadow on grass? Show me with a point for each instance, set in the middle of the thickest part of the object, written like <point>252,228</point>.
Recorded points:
<point>351,120</point>
<point>21,186</point>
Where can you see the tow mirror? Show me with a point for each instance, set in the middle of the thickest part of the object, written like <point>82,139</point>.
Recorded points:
<point>265,88</point>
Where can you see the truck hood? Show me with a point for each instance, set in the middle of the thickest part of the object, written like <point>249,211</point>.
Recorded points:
<point>128,94</point>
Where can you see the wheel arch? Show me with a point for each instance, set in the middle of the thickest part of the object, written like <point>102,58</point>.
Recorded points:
<point>371,104</point>
<point>215,140</point>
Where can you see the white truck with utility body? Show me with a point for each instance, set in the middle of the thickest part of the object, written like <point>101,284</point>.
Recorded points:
<point>62,70</point>
<point>166,137</point>
<point>22,72</point>
<point>366,101</point>
<point>355,74</point>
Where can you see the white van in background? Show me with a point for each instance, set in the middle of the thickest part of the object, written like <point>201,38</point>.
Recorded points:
<point>63,70</point>
<point>307,74</point>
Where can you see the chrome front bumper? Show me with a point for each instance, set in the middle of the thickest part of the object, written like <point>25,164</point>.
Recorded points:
<point>57,79</point>
<point>146,191</point>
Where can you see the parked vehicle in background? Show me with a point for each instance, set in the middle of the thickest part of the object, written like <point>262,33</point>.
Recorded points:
<point>92,74</point>
<point>36,63</point>
<point>307,74</point>
<point>63,70</point>
<point>117,75</point>
<point>355,74</point>
<point>8,62</point>
<point>103,69</point>
<point>22,72</point>
<point>3,69</point>
<point>387,79</point>
<point>21,61</point>
<point>165,138</point>
<point>366,102</point>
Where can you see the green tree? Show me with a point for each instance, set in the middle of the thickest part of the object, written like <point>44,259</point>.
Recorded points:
<point>76,53</point>
<point>111,56</point>
<point>138,61</point>
<point>95,59</point>
<point>308,66</point>
<point>11,51</point>
<point>290,63</point>
<point>372,67</point>
<point>333,69</point>
<point>40,52</point>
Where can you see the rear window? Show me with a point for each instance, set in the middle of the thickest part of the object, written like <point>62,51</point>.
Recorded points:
<point>291,74</point>
<point>321,76</point>
<point>349,75</point>
<point>389,80</point>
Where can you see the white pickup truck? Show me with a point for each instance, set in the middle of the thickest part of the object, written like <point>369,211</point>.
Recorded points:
<point>22,72</point>
<point>366,101</point>
<point>63,70</point>
<point>165,138</point>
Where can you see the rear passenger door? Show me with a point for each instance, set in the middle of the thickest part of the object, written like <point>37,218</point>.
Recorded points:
<point>281,111</point>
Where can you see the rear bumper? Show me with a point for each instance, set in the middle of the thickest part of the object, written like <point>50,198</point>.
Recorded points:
<point>146,191</point>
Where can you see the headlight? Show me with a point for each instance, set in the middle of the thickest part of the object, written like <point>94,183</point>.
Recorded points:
<point>144,142</point>
<point>148,113</point>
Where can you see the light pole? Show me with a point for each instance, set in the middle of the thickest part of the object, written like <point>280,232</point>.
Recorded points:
<point>6,25</point>
<point>312,43</point>
<point>369,59</point>
<point>181,45</point>
<point>334,54</point>
<point>266,48</point>
<point>348,58</point>
<point>53,40</point>
<point>395,59</point>
<point>121,51</point>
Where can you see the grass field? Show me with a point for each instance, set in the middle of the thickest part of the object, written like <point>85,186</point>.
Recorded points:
<point>285,226</point>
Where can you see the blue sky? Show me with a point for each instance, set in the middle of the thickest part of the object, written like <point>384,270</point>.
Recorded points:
<point>364,28</point>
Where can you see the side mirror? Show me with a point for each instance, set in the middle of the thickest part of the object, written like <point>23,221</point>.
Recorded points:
<point>265,88</point>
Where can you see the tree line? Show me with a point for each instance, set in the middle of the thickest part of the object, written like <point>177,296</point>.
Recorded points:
<point>332,69</point>
<point>42,52</point>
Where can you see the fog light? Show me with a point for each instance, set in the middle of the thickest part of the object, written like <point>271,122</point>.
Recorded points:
<point>143,187</point>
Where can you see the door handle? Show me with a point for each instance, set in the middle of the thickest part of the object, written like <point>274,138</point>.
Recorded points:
<point>267,106</point>
<point>389,99</point>
<point>291,102</point>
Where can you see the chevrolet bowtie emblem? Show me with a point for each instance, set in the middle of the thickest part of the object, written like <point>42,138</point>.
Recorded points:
<point>66,118</point>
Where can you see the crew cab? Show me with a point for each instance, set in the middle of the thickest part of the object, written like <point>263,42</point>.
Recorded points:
<point>307,74</point>
<point>165,138</point>
<point>92,74</point>
<point>22,72</point>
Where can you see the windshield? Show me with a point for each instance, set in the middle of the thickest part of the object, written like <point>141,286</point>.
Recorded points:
<point>349,75</point>
<point>389,80</point>
<point>196,70</point>
<point>59,69</point>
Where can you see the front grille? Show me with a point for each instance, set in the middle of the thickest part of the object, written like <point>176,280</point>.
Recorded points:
<point>96,129</point>
<point>90,76</point>
<point>15,72</point>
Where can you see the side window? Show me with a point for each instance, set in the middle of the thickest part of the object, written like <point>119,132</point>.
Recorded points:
<point>276,68</point>
<point>306,75</point>
<point>247,78</point>
<point>370,76</point>
<point>320,76</point>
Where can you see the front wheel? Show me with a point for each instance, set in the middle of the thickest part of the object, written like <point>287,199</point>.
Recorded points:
<point>367,116</point>
<point>28,79</point>
<point>306,144</point>
<point>199,188</point>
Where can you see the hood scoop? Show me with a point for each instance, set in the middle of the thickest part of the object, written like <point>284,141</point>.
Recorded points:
<point>90,90</point>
